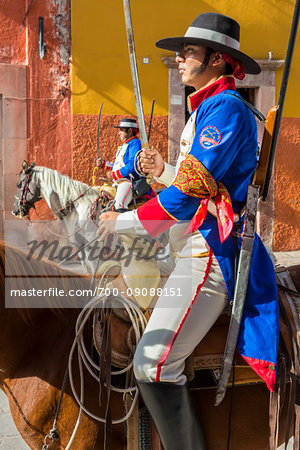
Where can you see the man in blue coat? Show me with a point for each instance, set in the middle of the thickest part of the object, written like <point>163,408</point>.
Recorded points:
<point>122,171</point>
<point>205,196</point>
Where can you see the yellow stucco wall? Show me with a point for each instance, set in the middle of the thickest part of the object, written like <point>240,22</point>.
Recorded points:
<point>100,61</point>
<point>100,72</point>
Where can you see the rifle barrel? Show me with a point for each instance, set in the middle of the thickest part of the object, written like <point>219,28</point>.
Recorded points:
<point>283,89</point>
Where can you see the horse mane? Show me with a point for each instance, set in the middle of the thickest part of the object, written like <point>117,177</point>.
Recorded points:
<point>63,185</point>
<point>19,273</point>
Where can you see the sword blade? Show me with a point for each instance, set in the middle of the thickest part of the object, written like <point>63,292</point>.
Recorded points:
<point>98,130</point>
<point>151,118</point>
<point>135,75</point>
<point>240,290</point>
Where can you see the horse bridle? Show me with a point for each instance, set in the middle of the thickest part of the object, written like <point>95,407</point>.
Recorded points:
<point>22,200</point>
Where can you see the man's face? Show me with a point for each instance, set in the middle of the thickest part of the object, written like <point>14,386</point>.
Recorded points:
<point>190,65</point>
<point>124,134</point>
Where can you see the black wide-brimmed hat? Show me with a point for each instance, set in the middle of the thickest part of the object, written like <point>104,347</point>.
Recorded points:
<point>216,31</point>
<point>127,123</point>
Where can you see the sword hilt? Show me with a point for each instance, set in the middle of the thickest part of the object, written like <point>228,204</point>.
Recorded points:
<point>149,177</point>
<point>94,176</point>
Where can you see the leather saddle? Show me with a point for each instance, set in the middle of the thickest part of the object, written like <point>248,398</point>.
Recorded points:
<point>203,366</point>
<point>107,193</point>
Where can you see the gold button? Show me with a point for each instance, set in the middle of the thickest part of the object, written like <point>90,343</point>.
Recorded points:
<point>272,367</point>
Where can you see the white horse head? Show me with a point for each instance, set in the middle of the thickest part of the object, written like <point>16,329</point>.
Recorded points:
<point>68,199</point>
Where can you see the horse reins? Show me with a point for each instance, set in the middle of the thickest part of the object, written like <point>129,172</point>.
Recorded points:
<point>61,235</point>
<point>75,200</point>
<point>54,435</point>
<point>23,202</point>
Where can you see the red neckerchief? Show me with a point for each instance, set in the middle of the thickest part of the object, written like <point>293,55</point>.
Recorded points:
<point>222,84</point>
<point>130,139</point>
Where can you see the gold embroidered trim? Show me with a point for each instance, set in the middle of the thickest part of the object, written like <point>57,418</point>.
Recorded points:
<point>194,179</point>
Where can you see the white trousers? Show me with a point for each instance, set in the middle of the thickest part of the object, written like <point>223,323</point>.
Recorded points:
<point>124,194</point>
<point>179,322</point>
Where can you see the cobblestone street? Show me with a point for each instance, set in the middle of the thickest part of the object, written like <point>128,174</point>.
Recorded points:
<point>9,436</point>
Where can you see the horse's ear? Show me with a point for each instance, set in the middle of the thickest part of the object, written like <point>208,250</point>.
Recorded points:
<point>24,166</point>
<point>32,165</point>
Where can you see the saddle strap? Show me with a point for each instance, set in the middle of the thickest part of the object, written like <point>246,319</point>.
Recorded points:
<point>252,108</point>
<point>289,322</point>
<point>275,403</point>
<point>297,418</point>
<point>293,413</point>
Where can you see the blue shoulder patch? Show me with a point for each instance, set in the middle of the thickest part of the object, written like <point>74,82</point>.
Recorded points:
<point>210,137</point>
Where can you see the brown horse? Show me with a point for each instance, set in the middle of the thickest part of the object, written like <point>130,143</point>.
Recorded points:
<point>35,344</point>
<point>34,348</point>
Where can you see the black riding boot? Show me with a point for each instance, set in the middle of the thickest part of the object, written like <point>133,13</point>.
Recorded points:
<point>174,415</point>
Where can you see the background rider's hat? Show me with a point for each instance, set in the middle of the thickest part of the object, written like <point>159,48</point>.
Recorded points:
<point>127,123</point>
<point>216,31</point>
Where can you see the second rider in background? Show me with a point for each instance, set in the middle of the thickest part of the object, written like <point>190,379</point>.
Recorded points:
<point>122,172</point>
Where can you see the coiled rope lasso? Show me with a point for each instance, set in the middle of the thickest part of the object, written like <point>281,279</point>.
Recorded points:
<point>139,323</point>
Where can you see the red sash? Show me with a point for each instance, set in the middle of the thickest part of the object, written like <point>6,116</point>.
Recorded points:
<point>195,180</point>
